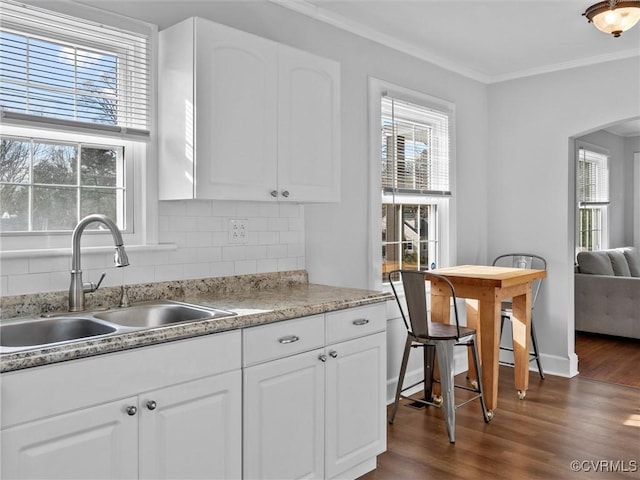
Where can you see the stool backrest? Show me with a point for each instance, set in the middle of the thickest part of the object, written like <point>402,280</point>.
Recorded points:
<point>414,283</point>
<point>524,260</point>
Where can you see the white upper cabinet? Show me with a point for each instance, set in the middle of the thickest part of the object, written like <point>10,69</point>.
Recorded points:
<point>244,118</point>
<point>308,127</point>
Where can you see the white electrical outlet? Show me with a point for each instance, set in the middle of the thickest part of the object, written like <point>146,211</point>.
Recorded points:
<point>238,230</point>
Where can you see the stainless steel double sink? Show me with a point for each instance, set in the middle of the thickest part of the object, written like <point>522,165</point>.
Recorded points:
<point>40,332</point>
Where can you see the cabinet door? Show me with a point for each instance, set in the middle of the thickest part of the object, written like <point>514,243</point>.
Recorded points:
<point>236,108</point>
<point>355,409</point>
<point>309,127</point>
<point>96,442</point>
<point>283,431</point>
<point>193,430</point>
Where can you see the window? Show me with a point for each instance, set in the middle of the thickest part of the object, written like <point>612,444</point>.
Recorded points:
<point>415,184</point>
<point>75,101</point>
<point>49,186</point>
<point>592,192</point>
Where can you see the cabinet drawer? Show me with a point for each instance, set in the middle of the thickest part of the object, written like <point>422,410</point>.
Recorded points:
<point>268,342</point>
<point>355,322</point>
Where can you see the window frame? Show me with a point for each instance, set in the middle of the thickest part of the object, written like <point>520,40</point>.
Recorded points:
<point>601,207</point>
<point>143,172</point>
<point>446,205</point>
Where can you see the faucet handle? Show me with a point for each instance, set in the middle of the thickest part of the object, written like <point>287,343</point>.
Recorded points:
<point>92,287</point>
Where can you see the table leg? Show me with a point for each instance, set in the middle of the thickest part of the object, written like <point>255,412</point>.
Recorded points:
<point>473,321</point>
<point>521,321</point>
<point>490,348</point>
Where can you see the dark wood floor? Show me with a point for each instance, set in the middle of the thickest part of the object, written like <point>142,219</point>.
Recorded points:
<point>609,359</point>
<point>561,421</point>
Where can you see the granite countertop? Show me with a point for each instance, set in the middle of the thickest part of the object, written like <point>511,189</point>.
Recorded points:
<point>256,300</point>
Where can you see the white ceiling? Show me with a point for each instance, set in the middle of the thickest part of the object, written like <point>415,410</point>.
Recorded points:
<point>489,40</point>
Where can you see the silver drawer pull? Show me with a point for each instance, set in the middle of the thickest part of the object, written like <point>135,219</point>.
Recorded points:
<point>288,339</point>
<point>360,321</point>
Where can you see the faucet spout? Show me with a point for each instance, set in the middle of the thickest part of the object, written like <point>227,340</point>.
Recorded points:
<point>78,288</point>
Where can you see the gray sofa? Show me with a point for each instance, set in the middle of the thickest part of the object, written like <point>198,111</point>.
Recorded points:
<point>607,292</point>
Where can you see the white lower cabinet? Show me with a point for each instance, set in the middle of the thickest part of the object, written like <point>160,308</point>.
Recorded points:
<point>192,430</point>
<point>301,398</point>
<point>320,412</point>
<point>154,412</point>
<point>284,418</point>
<point>96,442</point>
<point>355,403</point>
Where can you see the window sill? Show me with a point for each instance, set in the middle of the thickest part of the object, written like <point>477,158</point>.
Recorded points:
<point>66,252</point>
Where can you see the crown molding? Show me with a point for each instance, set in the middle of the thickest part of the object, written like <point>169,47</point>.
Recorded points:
<point>305,8</point>
<point>583,62</point>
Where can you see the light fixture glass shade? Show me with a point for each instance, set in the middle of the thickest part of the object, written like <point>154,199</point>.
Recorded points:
<point>614,17</point>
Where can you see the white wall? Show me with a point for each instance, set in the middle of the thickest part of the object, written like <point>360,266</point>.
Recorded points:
<point>531,186</point>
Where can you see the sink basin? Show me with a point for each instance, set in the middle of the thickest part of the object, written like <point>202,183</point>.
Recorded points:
<point>158,314</point>
<point>38,332</point>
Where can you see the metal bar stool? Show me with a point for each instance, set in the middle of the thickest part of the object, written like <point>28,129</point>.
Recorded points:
<point>441,337</point>
<point>522,260</point>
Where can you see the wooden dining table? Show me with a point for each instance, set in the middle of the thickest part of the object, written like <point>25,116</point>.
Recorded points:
<point>485,288</point>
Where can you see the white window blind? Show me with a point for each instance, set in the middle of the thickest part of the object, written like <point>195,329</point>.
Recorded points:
<point>61,72</point>
<point>593,178</point>
<point>415,149</point>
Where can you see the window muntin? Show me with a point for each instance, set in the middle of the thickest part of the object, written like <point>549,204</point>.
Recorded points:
<point>415,184</point>
<point>592,194</point>
<point>48,186</point>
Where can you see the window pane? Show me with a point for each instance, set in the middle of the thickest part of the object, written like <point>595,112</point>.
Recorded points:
<point>99,167</point>
<point>410,237</point>
<point>14,161</point>
<point>390,240</point>
<point>54,208</point>
<point>14,208</point>
<point>98,200</point>
<point>55,164</point>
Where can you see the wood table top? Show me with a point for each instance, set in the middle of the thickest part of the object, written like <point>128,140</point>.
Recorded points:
<point>486,275</point>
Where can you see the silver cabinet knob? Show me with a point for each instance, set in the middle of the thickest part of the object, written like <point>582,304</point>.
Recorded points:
<point>333,354</point>
<point>151,405</point>
<point>274,193</point>
<point>322,358</point>
<point>285,193</point>
<point>132,410</point>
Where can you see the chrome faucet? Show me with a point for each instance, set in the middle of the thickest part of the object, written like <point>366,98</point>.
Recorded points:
<point>78,288</point>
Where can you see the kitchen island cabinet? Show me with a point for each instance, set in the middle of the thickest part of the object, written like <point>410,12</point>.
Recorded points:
<point>245,118</point>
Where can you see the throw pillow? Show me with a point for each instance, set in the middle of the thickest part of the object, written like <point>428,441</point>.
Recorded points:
<point>619,263</point>
<point>632,254</point>
<point>595,263</point>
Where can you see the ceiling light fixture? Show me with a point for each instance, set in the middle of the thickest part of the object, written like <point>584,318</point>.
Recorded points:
<point>614,16</point>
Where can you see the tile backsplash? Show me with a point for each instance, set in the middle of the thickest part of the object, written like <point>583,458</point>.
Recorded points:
<point>194,243</point>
